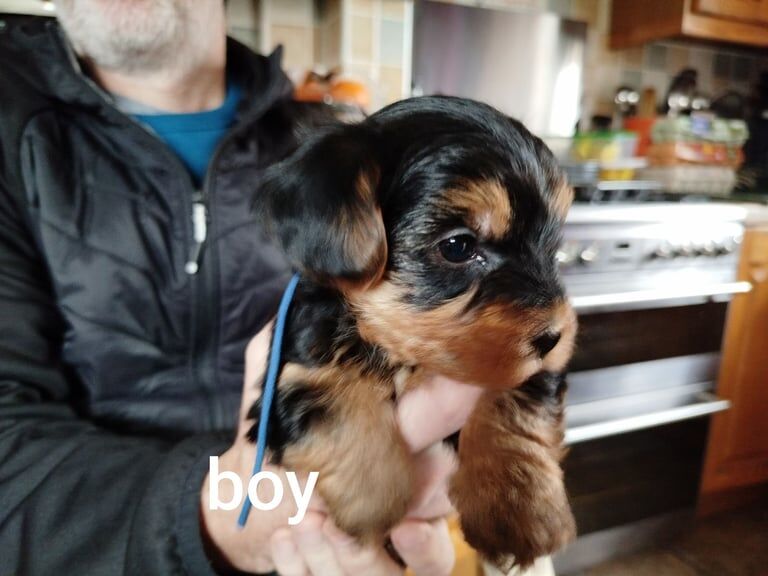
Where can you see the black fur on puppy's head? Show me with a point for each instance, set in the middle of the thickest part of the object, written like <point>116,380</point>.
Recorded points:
<point>438,219</point>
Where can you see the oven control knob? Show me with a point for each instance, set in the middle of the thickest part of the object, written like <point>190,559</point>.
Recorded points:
<point>726,248</point>
<point>567,253</point>
<point>589,254</point>
<point>663,252</point>
<point>686,250</point>
<point>709,248</point>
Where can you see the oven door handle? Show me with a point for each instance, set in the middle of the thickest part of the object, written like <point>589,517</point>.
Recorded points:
<point>707,403</point>
<point>598,302</point>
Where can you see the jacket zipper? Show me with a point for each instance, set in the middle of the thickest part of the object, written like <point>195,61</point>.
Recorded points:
<point>203,339</point>
<point>199,232</point>
<point>202,267</point>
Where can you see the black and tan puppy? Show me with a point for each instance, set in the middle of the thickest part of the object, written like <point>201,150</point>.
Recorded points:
<point>426,240</point>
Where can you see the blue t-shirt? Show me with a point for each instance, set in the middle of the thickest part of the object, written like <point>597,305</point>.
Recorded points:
<point>194,136</point>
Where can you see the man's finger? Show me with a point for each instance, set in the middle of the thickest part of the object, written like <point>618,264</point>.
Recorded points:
<point>356,559</point>
<point>435,410</point>
<point>285,555</point>
<point>425,547</point>
<point>433,470</point>
<point>314,547</point>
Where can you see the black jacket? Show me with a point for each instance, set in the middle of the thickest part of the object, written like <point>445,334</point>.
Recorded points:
<point>118,369</point>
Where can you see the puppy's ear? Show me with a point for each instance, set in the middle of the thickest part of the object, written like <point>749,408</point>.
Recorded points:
<point>320,206</point>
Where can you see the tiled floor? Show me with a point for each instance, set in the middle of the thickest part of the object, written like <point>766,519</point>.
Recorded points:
<point>732,544</point>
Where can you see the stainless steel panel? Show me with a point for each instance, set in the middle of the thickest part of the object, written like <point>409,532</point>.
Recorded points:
<point>627,414</point>
<point>640,377</point>
<point>598,547</point>
<point>680,214</point>
<point>526,65</point>
<point>667,296</point>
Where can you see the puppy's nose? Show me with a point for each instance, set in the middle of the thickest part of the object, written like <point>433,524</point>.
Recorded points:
<point>544,343</point>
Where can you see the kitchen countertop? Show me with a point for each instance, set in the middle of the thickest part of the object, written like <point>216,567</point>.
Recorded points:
<point>757,214</point>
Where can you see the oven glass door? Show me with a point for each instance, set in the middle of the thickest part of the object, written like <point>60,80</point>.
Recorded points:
<point>639,383</point>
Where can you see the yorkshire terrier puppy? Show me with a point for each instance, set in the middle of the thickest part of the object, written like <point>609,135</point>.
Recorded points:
<point>426,238</point>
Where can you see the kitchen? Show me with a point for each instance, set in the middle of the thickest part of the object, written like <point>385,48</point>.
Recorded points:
<point>657,112</point>
<point>665,263</point>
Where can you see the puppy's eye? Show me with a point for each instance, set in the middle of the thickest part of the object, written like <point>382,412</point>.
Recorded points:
<point>459,248</point>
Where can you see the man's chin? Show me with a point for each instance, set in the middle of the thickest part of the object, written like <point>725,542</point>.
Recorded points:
<point>120,35</point>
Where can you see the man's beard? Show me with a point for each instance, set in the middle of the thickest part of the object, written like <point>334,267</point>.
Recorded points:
<point>133,36</point>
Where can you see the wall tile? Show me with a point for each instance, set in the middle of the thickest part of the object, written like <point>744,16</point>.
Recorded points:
<point>561,7</point>
<point>393,9</point>
<point>250,38</point>
<point>360,71</point>
<point>362,38</point>
<point>298,43</point>
<point>292,12</point>
<point>655,57</point>
<point>677,59</point>
<point>720,85</point>
<point>331,53</point>
<point>364,7</point>
<point>701,61</point>
<point>632,57</point>
<point>243,14</point>
<point>721,66</point>
<point>742,69</point>
<point>631,78</point>
<point>585,11</point>
<point>391,49</point>
<point>390,82</point>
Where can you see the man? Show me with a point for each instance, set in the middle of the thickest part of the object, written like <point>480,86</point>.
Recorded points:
<point>131,280</point>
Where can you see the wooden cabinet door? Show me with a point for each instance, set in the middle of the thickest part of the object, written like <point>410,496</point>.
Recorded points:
<point>737,454</point>
<point>743,10</point>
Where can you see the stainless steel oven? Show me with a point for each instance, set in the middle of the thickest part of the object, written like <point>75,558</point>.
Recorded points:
<point>651,285</point>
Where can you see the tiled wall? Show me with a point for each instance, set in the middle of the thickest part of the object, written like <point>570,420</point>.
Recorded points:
<point>263,24</point>
<point>376,46</point>
<point>370,40</point>
<point>720,68</point>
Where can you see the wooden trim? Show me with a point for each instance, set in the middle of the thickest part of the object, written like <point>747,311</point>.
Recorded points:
<point>634,23</point>
<point>754,11</point>
<point>717,502</point>
<point>708,28</point>
<point>736,457</point>
<point>642,35</point>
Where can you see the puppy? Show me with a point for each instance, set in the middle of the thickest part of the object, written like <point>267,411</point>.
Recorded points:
<point>426,238</point>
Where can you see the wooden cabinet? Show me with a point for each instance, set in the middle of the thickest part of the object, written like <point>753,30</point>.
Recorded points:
<point>737,454</point>
<point>735,21</point>
<point>754,11</point>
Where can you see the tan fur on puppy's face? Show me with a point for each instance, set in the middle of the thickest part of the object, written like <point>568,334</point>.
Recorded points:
<point>486,205</point>
<point>489,346</point>
<point>561,199</point>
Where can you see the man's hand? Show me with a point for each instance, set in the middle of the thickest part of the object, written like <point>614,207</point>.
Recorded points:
<point>315,546</point>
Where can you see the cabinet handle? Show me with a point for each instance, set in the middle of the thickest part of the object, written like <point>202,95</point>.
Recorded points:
<point>680,295</point>
<point>708,404</point>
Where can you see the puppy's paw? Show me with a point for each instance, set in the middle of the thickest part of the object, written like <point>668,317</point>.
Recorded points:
<point>522,515</point>
<point>509,488</point>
